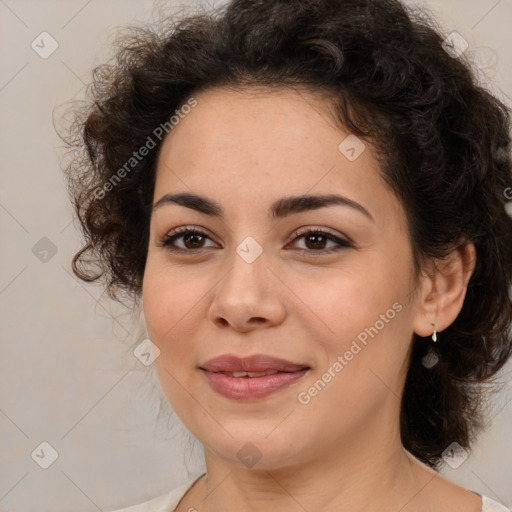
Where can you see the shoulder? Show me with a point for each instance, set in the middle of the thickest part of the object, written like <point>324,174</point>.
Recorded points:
<point>489,505</point>
<point>163,503</point>
<point>444,494</point>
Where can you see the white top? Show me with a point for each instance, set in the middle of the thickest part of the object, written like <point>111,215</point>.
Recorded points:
<point>168,502</point>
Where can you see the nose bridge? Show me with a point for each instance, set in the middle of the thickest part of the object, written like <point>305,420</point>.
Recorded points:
<point>246,278</point>
<point>246,291</point>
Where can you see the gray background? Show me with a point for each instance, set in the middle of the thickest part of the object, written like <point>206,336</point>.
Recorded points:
<point>69,376</point>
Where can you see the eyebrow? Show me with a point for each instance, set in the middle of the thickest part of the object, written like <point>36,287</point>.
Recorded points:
<point>281,208</point>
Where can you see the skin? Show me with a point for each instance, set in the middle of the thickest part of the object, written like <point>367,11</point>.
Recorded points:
<point>341,451</point>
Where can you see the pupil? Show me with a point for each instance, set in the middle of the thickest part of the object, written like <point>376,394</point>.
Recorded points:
<point>188,239</point>
<point>317,237</point>
<point>312,240</point>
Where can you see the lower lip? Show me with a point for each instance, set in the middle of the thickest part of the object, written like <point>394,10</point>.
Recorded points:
<point>248,388</point>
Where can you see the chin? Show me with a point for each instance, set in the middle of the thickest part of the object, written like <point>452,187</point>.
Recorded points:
<point>258,451</point>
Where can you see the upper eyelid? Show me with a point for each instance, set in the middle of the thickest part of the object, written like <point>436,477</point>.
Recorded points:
<point>297,234</point>
<point>308,229</point>
<point>183,230</point>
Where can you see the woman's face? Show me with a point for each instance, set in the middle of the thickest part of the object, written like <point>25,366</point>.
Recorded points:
<point>339,303</point>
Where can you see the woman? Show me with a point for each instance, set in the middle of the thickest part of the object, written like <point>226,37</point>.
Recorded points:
<point>308,200</point>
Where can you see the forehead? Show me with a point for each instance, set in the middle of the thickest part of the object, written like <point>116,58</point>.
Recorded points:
<point>241,119</point>
<point>236,143</point>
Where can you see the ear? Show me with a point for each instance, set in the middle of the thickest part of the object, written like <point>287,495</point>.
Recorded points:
<point>443,289</point>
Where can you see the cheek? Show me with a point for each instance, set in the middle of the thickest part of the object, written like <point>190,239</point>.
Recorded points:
<point>360,315</point>
<point>345,301</point>
<point>363,370</point>
<point>169,305</point>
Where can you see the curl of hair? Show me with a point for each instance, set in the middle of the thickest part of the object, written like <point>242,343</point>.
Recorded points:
<point>443,140</point>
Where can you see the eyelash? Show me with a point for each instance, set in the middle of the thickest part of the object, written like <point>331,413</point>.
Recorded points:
<point>168,240</point>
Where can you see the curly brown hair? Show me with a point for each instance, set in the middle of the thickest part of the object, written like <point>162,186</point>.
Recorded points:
<point>443,140</point>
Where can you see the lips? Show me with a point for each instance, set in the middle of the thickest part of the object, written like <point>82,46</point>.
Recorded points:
<point>250,378</point>
<point>228,363</point>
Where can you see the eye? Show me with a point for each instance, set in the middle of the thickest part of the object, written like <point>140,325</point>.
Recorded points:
<point>316,241</point>
<point>192,239</point>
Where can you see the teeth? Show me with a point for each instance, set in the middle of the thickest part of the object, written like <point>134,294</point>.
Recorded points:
<point>237,374</point>
<point>250,374</point>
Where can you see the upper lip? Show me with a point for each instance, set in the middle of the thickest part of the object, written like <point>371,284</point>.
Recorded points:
<point>253,363</point>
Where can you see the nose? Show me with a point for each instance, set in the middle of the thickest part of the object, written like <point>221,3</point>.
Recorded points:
<point>248,297</point>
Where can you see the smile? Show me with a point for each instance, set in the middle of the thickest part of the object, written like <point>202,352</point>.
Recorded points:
<point>251,385</point>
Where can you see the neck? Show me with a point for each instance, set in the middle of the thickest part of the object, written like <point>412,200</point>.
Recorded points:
<point>374,474</point>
